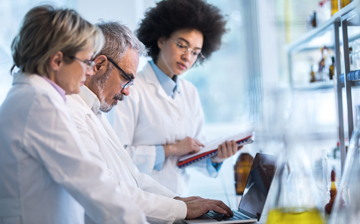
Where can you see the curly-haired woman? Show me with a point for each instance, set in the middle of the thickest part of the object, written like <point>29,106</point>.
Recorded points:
<point>162,118</point>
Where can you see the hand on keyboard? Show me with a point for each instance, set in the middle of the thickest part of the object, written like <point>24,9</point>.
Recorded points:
<point>221,217</point>
<point>197,206</point>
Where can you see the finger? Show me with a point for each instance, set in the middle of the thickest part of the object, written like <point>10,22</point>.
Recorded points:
<point>229,148</point>
<point>199,143</point>
<point>215,207</point>
<point>220,152</point>
<point>224,150</point>
<point>196,148</point>
<point>234,147</point>
<point>224,206</point>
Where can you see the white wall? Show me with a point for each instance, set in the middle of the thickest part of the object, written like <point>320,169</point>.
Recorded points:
<point>128,12</point>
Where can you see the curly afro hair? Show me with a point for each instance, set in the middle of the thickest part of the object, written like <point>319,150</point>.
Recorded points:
<point>171,15</point>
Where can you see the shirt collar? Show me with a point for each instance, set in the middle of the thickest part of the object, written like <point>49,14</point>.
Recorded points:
<point>169,85</point>
<point>60,90</point>
<point>90,99</point>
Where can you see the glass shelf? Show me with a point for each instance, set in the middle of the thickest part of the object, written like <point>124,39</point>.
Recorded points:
<point>323,34</point>
<point>320,85</point>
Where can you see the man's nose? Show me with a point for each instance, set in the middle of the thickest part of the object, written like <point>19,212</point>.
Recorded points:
<point>126,91</point>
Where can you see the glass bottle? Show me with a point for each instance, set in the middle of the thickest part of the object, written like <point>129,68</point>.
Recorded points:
<point>325,196</point>
<point>347,203</point>
<point>351,58</point>
<point>242,169</point>
<point>334,6</point>
<point>333,192</point>
<point>312,75</point>
<point>344,3</point>
<point>332,68</point>
<point>295,197</point>
<point>321,70</point>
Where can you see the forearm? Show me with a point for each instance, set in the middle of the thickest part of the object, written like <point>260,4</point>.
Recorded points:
<point>158,208</point>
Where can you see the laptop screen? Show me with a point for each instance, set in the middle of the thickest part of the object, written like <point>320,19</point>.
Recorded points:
<point>258,184</point>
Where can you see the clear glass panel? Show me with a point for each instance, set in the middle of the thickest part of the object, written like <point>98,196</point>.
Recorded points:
<point>223,81</point>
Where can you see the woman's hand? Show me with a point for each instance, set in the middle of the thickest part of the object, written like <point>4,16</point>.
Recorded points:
<point>225,150</point>
<point>185,146</point>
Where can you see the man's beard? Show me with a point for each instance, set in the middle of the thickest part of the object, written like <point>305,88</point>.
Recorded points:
<point>104,106</point>
<point>100,83</point>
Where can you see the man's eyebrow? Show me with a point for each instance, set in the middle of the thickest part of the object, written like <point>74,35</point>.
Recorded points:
<point>187,42</point>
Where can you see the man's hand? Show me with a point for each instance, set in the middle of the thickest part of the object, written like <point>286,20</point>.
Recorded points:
<point>225,150</point>
<point>197,206</point>
<point>185,146</point>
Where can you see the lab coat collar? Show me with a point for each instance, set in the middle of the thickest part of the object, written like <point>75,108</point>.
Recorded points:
<point>37,80</point>
<point>151,78</point>
<point>168,84</point>
<point>90,99</point>
<point>60,90</point>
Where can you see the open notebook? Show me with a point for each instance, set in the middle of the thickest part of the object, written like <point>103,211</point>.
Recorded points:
<point>210,148</point>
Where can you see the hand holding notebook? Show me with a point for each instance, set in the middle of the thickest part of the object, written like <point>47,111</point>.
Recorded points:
<point>211,148</point>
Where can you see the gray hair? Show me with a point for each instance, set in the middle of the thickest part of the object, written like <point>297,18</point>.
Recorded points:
<point>46,30</point>
<point>118,38</point>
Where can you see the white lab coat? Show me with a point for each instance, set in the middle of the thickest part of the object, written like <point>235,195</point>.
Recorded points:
<point>149,117</point>
<point>102,143</point>
<point>46,175</point>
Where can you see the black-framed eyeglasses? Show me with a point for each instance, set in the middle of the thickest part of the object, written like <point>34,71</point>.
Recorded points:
<point>184,49</point>
<point>89,63</point>
<point>130,83</point>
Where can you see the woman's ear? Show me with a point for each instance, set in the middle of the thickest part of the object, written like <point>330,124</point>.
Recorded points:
<point>161,42</point>
<point>56,60</point>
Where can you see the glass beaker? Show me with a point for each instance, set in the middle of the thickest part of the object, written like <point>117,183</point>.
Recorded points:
<point>325,194</point>
<point>347,204</point>
<point>295,198</point>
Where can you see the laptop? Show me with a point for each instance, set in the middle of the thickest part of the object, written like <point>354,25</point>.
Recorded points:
<point>254,196</point>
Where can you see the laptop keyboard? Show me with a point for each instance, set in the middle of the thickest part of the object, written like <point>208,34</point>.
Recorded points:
<point>221,217</point>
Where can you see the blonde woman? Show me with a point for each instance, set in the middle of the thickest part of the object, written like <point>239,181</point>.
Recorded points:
<point>46,174</point>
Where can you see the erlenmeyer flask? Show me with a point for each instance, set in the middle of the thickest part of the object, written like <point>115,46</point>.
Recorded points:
<point>347,204</point>
<point>295,198</point>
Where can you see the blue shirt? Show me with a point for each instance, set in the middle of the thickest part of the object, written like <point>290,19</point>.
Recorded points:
<point>170,86</point>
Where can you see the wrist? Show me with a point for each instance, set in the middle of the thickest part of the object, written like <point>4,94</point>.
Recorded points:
<point>169,150</point>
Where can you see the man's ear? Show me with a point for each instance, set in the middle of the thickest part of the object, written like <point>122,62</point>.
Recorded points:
<point>101,65</point>
<point>55,61</point>
<point>161,42</point>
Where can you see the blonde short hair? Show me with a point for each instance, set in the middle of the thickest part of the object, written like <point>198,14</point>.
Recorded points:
<point>46,30</point>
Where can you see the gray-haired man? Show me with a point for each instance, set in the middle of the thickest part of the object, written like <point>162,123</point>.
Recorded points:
<point>114,73</point>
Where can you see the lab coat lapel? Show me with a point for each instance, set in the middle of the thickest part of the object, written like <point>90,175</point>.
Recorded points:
<point>108,131</point>
<point>150,77</point>
<point>102,125</point>
<point>38,81</point>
